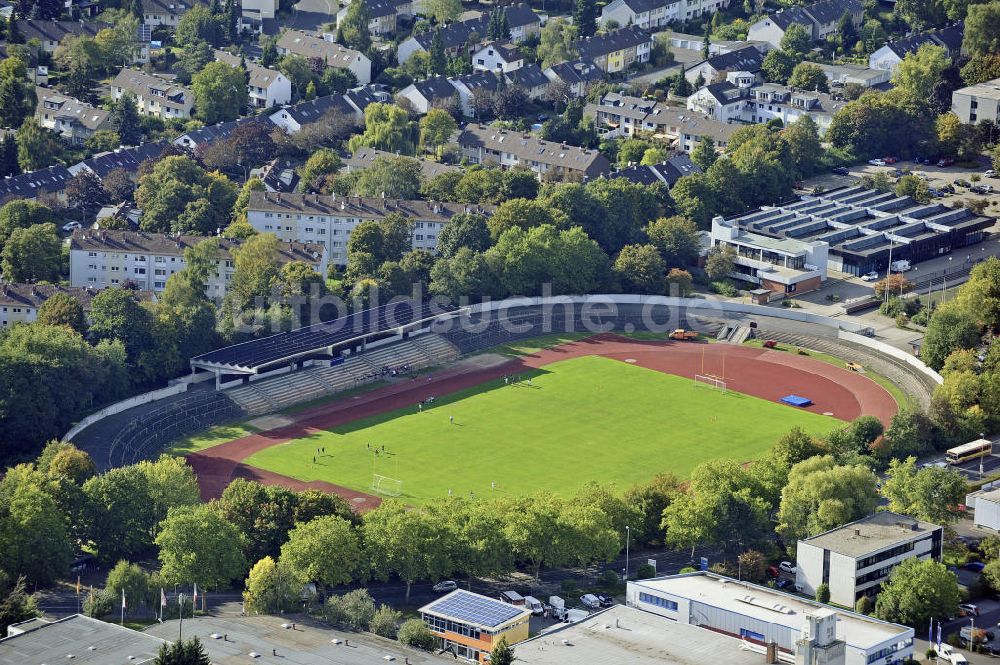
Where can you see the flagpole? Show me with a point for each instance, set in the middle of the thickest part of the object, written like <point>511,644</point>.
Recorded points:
<point>180,613</point>
<point>123,607</point>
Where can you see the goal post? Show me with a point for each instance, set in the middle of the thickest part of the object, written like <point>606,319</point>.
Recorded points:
<point>709,381</point>
<point>386,485</point>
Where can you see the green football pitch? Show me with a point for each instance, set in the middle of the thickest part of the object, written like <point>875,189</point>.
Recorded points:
<point>589,418</point>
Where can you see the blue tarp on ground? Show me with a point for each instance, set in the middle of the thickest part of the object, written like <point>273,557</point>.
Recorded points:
<point>795,400</point>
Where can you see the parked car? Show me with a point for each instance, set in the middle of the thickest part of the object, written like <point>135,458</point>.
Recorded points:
<point>840,170</point>
<point>877,162</point>
<point>948,189</point>
<point>787,567</point>
<point>534,605</point>
<point>937,193</point>
<point>948,654</point>
<point>961,182</point>
<point>975,566</point>
<point>606,601</point>
<point>445,586</point>
<point>945,161</point>
<point>990,173</point>
<point>590,601</point>
<point>870,276</point>
<point>889,160</point>
<point>969,609</point>
<point>773,571</point>
<point>72,226</point>
<point>982,189</point>
<point>782,583</point>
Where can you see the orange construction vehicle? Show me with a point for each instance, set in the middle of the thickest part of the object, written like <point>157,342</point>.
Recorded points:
<point>684,335</point>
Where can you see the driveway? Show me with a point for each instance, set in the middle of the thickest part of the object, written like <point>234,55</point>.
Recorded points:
<point>313,15</point>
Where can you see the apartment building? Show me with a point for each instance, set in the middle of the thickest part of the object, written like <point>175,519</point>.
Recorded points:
<point>855,559</point>
<point>819,19</point>
<point>385,15</point>
<point>489,145</point>
<point>469,625</point>
<point>578,75</point>
<point>154,95</point>
<point>267,87</point>
<point>889,56</point>
<point>19,302</point>
<point>330,52</point>
<point>976,103</point>
<point>329,220</point>
<point>747,59</point>
<point>529,78</point>
<point>49,34</point>
<point>164,12</point>
<point>471,85</point>
<point>108,258</point>
<point>73,120</point>
<point>434,92</point>
<point>458,36</point>
<point>616,50</point>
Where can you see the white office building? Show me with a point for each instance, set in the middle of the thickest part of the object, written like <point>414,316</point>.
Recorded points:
<point>855,559</point>
<point>797,628</point>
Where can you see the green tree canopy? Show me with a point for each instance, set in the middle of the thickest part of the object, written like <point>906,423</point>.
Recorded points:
<point>198,545</point>
<point>324,550</point>
<point>932,494</point>
<point>917,591</point>
<point>220,92</point>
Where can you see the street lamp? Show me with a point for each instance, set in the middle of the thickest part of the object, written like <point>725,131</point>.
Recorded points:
<point>982,456</point>
<point>628,532</point>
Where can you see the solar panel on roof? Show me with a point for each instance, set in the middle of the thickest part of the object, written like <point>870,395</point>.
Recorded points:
<point>473,608</point>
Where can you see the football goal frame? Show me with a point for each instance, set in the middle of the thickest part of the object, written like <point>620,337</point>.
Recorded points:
<point>387,485</point>
<point>709,381</point>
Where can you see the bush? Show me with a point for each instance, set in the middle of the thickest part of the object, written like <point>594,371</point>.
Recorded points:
<point>922,318</point>
<point>355,609</point>
<point>644,572</point>
<point>99,604</point>
<point>823,593</point>
<point>902,320</point>
<point>415,633</point>
<point>608,578</point>
<point>724,288</point>
<point>688,569</point>
<point>385,622</point>
<point>864,605</point>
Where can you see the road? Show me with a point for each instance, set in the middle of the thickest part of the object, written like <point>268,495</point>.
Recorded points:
<point>62,601</point>
<point>313,15</point>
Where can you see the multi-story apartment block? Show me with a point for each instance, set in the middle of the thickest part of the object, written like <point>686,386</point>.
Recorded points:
<point>489,145</point>
<point>329,220</point>
<point>650,14</point>
<point>385,15</point>
<point>72,119</point>
<point>267,87</point>
<point>622,115</point>
<point>104,258</point>
<point>855,559</point>
<point>976,103</point>
<point>330,52</point>
<point>154,96</point>
<point>616,50</point>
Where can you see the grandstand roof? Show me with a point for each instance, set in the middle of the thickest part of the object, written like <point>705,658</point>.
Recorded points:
<point>261,354</point>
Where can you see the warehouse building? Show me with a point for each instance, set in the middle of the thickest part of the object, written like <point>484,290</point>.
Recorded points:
<point>867,229</point>
<point>855,559</point>
<point>761,616</point>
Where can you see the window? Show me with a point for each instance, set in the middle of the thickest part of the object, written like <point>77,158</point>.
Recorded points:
<point>751,635</point>
<point>658,601</point>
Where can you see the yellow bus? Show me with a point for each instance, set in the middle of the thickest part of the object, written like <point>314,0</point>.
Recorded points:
<point>971,450</point>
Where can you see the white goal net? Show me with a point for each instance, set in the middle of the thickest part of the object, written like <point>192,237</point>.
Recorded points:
<point>386,485</point>
<point>709,381</point>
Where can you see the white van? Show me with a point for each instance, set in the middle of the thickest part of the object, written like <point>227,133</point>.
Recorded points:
<point>590,601</point>
<point>558,607</point>
<point>949,654</point>
<point>534,605</point>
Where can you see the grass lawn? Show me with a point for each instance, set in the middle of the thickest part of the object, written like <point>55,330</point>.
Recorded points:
<point>583,419</point>
<point>210,437</point>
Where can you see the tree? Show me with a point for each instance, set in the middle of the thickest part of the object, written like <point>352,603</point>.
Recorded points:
<point>951,327</point>
<point>677,239</point>
<point>982,29</point>
<point>584,18</point>
<point>251,144</point>
<point>198,545</point>
<point>436,130</point>
<point>651,499</point>
<point>466,229</point>
<point>263,514</point>
<point>62,309</point>
<point>502,654</point>
<point>706,42</point>
<point>704,154</point>
<point>509,102</point>
<point>321,163</point>
<point>189,652</point>
<point>387,127</point>
<point>65,461</point>
<point>794,447</point>
<point>950,131</point>
<point>86,192</point>
<point>407,543</point>
<point>932,494</point>
<point>255,272</point>
<point>916,591</point>
<point>881,124</point>
<point>523,214</point>
<point>721,262</point>
<point>18,605</point>
<point>778,65</point>
<point>270,588</point>
<point>640,269</point>
<point>796,41</point>
<point>37,147</point>
<point>198,24</point>
<point>17,96</point>
<point>34,540</point>
<point>33,254</point>
<point>116,314</point>
<point>193,60</point>
<point>353,28</point>
<point>981,68</point>
<point>129,581</point>
<point>802,137</point>
<point>570,261</point>
<point>79,57</point>
<point>177,195</point>
<point>122,517</point>
<point>809,76</point>
<point>443,11</point>
<point>415,633</point>
<point>437,61</point>
<point>8,155</point>
<point>557,42</point>
<point>220,92</point>
<point>821,495</point>
<point>465,273</point>
<point>919,71</point>
<point>390,177</point>
<point>119,185</point>
<point>324,550</point>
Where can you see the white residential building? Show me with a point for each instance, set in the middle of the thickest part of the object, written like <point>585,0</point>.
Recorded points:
<point>497,58</point>
<point>747,59</point>
<point>799,629</point>
<point>471,85</point>
<point>976,103</point>
<point>578,75</point>
<point>489,145</point>
<point>330,52</point>
<point>267,87</point>
<point>104,258</point>
<point>72,119</point>
<point>889,56</point>
<point>329,220</point>
<point>855,559</point>
<point>154,96</point>
<point>616,50</point>
<point>819,19</point>
<point>19,302</point>
<point>385,14</point>
<point>164,12</point>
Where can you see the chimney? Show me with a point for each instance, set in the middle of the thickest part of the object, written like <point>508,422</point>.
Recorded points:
<point>857,532</point>
<point>771,656</point>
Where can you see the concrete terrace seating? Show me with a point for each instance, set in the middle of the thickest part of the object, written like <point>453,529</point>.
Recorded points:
<point>281,392</point>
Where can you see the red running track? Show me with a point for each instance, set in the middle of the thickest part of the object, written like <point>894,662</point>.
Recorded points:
<point>762,373</point>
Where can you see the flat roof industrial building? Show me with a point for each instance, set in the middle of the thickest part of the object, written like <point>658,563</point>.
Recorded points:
<point>77,639</point>
<point>761,615</point>
<point>864,226</point>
